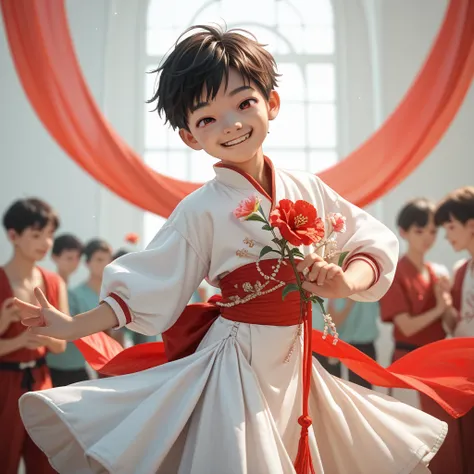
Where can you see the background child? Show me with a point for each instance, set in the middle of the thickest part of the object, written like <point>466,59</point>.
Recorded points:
<point>66,254</point>
<point>456,214</point>
<point>69,366</point>
<point>30,225</point>
<point>416,303</point>
<point>84,297</point>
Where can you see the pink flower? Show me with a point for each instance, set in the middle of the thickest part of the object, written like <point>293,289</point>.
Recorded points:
<point>338,222</point>
<point>247,207</point>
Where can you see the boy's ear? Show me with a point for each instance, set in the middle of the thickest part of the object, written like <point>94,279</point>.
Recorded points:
<point>189,139</point>
<point>470,225</point>
<point>273,105</point>
<point>402,232</point>
<point>12,235</point>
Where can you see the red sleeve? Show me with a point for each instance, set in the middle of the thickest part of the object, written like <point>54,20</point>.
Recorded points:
<point>394,302</point>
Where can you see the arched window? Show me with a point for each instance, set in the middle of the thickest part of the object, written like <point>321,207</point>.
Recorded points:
<point>301,36</point>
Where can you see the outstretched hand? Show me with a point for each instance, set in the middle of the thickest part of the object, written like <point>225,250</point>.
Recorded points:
<point>44,319</point>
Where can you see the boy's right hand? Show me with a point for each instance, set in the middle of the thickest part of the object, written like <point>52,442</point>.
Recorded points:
<point>44,319</point>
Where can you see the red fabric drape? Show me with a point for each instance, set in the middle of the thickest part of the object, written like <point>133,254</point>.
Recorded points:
<point>46,63</point>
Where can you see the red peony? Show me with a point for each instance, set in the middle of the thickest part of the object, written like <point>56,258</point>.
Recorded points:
<point>132,238</point>
<point>298,222</point>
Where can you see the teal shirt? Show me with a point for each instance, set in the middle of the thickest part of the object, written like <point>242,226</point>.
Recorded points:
<point>360,326</point>
<point>71,358</point>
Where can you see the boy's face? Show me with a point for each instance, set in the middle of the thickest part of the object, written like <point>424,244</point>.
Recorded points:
<point>33,244</point>
<point>420,239</point>
<point>99,260</point>
<point>459,235</point>
<point>67,262</point>
<point>233,126</point>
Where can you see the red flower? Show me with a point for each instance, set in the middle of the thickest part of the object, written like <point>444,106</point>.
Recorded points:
<point>132,238</point>
<point>298,222</point>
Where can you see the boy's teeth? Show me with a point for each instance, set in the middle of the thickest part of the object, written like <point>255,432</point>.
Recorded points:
<point>237,140</point>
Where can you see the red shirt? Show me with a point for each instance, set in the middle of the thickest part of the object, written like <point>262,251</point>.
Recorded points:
<point>411,293</point>
<point>52,285</point>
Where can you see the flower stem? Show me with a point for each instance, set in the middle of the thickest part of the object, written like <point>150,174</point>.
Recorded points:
<point>297,275</point>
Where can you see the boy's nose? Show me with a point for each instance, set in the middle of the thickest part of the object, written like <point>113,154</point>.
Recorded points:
<point>232,126</point>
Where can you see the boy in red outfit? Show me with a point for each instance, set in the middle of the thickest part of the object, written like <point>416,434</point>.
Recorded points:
<point>30,225</point>
<point>456,214</point>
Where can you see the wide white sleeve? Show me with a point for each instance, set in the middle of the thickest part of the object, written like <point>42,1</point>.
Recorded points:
<point>365,239</point>
<point>148,290</point>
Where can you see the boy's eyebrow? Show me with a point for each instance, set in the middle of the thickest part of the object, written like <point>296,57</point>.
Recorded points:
<point>201,105</point>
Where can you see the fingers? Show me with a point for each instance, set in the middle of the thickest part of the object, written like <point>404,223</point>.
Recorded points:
<point>27,310</point>
<point>318,269</point>
<point>334,270</point>
<point>308,261</point>
<point>44,303</point>
<point>33,322</point>
<point>322,272</point>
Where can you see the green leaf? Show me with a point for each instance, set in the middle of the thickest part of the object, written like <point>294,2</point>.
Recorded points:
<point>267,227</point>
<point>265,250</point>
<point>342,256</point>
<point>297,253</point>
<point>255,217</point>
<point>288,289</point>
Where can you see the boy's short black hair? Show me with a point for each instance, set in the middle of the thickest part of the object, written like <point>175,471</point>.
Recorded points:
<point>201,61</point>
<point>95,245</point>
<point>66,242</point>
<point>415,212</point>
<point>29,212</point>
<point>458,205</point>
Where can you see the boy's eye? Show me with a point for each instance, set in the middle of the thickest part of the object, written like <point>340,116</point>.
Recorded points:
<point>247,103</point>
<point>205,121</point>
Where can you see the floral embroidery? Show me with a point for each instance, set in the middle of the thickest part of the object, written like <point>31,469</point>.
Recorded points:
<point>242,253</point>
<point>249,242</point>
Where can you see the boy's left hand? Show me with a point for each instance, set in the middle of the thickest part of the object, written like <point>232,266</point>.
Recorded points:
<point>324,279</point>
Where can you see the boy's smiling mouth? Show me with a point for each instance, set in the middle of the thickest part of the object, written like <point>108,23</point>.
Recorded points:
<point>238,140</point>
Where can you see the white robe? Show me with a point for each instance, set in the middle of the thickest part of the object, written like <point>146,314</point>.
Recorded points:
<point>231,407</point>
